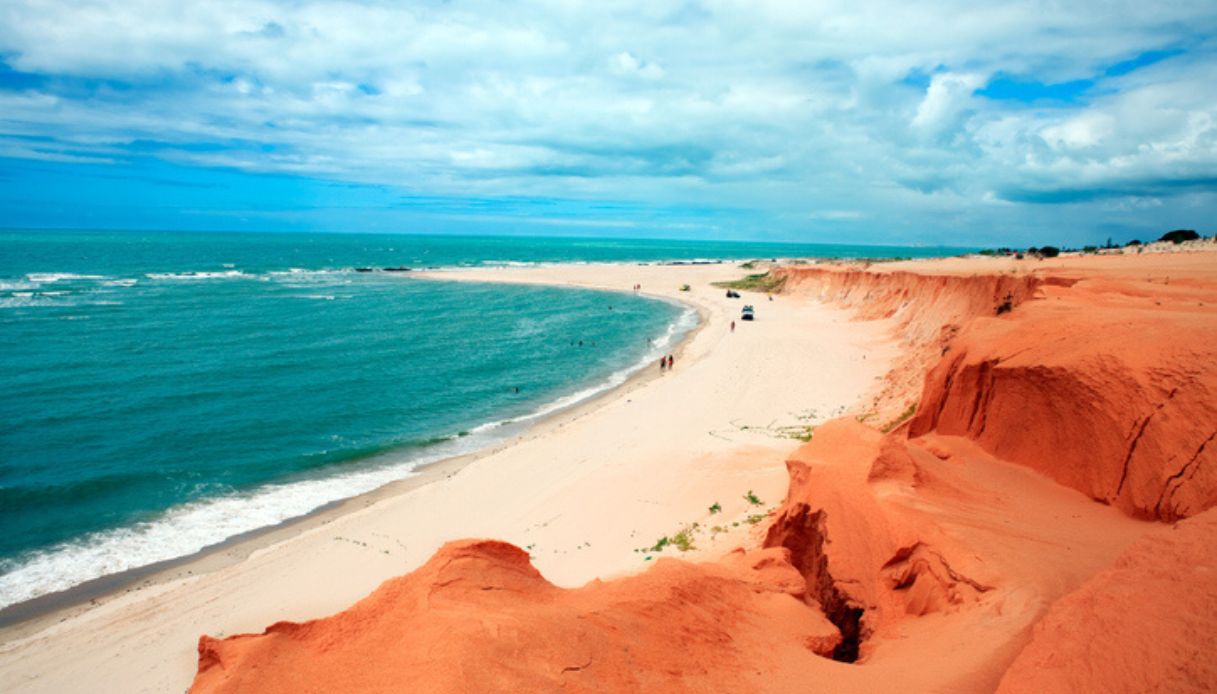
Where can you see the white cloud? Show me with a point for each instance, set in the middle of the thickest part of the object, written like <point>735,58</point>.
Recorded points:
<point>625,63</point>
<point>785,109</point>
<point>946,97</point>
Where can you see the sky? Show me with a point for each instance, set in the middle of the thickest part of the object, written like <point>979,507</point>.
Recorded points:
<point>964,123</point>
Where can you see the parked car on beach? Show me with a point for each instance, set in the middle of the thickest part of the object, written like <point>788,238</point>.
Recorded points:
<point>747,313</point>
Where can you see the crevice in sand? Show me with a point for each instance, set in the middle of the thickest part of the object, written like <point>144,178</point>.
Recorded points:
<point>1168,492</point>
<point>803,533</point>
<point>1132,448</point>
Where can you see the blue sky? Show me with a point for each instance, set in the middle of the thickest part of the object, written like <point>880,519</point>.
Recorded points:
<point>958,123</point>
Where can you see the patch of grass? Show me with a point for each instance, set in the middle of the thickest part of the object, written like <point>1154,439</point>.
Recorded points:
<point>801,432</point>
<point>684,287</point>
<point>715,508</point>
<point>756,518</point>
<point>762,282</point>
<point>904,416</point>
<point>752,498</point>
<point>660,544</point>
<point>751,264</point>
<point>683,540</point>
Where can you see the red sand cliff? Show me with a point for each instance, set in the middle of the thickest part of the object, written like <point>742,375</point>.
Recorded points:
<point>934,558</point>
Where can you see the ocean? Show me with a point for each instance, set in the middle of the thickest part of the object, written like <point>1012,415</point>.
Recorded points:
<point>165,391</point>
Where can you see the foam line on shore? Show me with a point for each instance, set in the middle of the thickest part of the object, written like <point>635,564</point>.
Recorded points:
<point>196,526</point>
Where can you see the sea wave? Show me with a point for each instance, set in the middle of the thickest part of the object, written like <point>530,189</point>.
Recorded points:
<point>201,275</point>
<point>192,527</point>
<point>52,277</point>
<point>195,526</point>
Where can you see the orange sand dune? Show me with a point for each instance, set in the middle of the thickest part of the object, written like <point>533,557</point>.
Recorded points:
<point>963,551</point>
<point>479,618</point>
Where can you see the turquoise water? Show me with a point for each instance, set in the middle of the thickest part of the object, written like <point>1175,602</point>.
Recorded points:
<point>166,391</point>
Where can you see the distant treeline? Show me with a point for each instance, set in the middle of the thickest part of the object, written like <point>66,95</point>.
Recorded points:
<point>1175,236</point>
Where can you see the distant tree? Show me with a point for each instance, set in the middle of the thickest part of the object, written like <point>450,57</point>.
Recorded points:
<point>1134,242</point>
<point>1033,251</point>
<point>1180,235</point>
<point>1109,244</point>
<point>1090,249</point>
<point>1050,251</point>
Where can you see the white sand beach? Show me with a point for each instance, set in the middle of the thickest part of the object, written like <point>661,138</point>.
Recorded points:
<point>582,491</point>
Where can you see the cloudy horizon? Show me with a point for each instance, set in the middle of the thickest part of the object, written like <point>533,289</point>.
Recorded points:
<point>950,123</point>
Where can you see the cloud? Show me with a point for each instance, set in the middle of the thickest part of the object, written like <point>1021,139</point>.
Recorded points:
<point>947,96</point>
<point>920,115</point>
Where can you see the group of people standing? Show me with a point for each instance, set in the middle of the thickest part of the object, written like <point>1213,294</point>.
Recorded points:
<point>665,362</point>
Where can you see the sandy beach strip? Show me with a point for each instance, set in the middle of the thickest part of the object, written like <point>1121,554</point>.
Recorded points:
<point>582,492</point>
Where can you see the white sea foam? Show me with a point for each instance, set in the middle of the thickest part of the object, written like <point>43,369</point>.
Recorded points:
<point>189,528</point>
<point>121,283</point>
<point>52,277</point>
<point>509,263</point>
<point>188,276</point>
<point>11,285</point>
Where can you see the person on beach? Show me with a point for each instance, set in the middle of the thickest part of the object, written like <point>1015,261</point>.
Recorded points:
<point>732,326</point>
<point>663,363</point>
<point>669,362</point>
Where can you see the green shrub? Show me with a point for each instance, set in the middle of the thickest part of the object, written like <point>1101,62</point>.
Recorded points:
<point>1180,235</point>
<point>763,282</point>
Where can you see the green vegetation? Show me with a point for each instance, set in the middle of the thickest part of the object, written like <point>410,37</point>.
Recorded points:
<point>1180,235</point>
<point>756,518</point>
<point>748,265</point>
<point>716,508</point>
<point>684,287</point>
<point>762,282</point>
<point>798,432</point>
<point>684,539</point>
<point>752,498</point>
<point>1050,251</point>
<point>904,416</point>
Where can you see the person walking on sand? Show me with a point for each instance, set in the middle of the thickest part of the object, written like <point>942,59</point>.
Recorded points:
<point>663,363</point>
<point>732,326</point>
<point>669,362</point>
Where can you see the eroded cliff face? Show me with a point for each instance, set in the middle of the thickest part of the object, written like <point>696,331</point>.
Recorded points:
<point>866,564</point>
<point>1104,381</point>
<point>1101,381</point>
<point>928,311</point>
<point>1102,388</point>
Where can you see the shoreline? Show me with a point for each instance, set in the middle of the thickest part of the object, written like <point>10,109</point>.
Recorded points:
<point>29,616</point>
<point>582,492</point>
